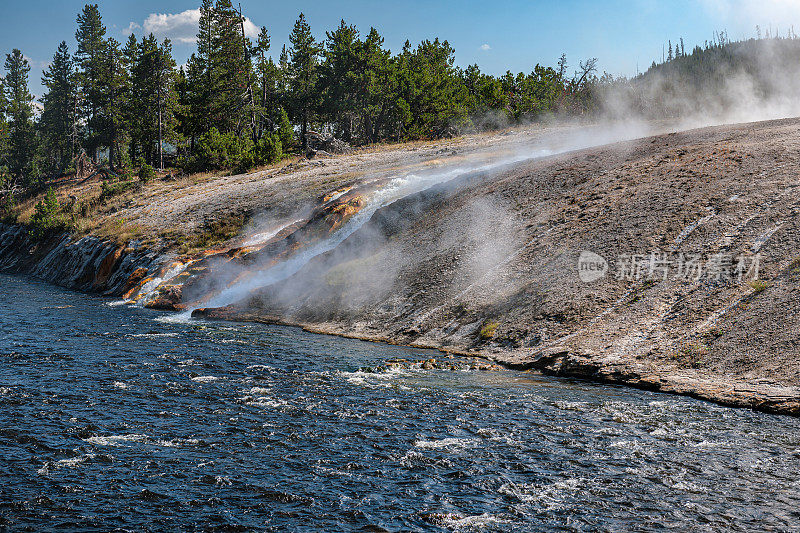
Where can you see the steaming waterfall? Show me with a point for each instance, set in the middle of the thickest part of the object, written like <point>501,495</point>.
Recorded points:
<point>264,236</point>
<point>397,189</point>
<point>401,187</point>
<point>150,289</point>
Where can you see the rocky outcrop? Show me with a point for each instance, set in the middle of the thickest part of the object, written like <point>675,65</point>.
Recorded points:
<point>759,394</point>
<point>321,144</point>
<point>87,264</point>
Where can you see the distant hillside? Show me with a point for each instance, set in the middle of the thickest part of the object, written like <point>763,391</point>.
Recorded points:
<point>756,76</point>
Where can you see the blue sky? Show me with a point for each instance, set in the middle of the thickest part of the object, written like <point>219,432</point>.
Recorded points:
<point>498,35</point>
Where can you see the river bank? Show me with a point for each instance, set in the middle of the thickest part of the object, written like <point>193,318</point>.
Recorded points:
<point>473,247</point>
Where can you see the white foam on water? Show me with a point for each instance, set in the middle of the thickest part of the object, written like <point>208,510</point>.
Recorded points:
<point>115,440</point>
<point>205,379</point>
<point>267,403</point>
<point>483,521</point>
<point>75,461</point>
<point>184,317</point>
<point>707,444</point>
<point>550,497</point>
<point>379,379</point>
<point>175,443</point>
<point>259,367</point>
<point>445,443</point>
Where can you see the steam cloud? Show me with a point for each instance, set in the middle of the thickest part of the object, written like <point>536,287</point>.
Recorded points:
<point>735,94</point>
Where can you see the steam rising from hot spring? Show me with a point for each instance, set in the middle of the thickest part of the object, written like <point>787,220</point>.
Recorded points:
<point>404,186</point>
<point>396,189</point>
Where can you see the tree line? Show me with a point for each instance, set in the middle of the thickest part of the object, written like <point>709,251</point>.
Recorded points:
<point>722,78</point>
<point>234,107</point>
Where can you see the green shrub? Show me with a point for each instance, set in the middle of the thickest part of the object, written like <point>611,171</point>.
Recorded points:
<point>218,151</point>
<point>758,285</point>
<point>8,204</point>
<point>269,149</point>
<point>245,162</point>
<point>127,174</point>
<point>33,173</point>
<point>47,217</point>
<point>109,188</point>
<point>146,173</point>
<point>285,131</point>
<point>489,329</point>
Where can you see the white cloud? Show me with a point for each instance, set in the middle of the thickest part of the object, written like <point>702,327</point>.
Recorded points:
<point>178,27</point>
<point>250,29</point>
<point>746,14</point>
<point>35,64</point>
<point>132,28</point>
<point>485,47</point>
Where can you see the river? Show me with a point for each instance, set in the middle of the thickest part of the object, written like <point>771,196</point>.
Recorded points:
<point>111,419</point>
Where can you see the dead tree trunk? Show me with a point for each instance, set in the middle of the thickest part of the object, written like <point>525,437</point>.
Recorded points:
<point>249,80</point>
<point>160,130</point>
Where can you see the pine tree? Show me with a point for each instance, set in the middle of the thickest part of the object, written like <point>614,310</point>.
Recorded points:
<point>58,121</point>
<point>153,94</point>
<point>340,79</point>
<point>200,81</point>
<point>283,61</point>
<point>562,66</point>
<point>166,95</point>
<point>132,112</point>
<point>21,135</point>
<point>376,82</point>
<point>218,90</point>
<point>194,99</point>
<point>302,70</point>
<point>113,85</point>
<point>669,52</point>
<point>283,65</point>
<point>231,68</point>
<point>430,87</point>
<point>91,57</point>
<point>269,81</point>
<point>3,134</point>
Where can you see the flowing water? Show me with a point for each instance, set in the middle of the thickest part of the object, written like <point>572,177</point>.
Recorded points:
<point>111,420</point>
<point>396,189</point>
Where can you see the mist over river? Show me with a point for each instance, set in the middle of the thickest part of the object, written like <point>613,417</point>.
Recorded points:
<point>111,420</point>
